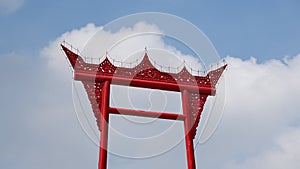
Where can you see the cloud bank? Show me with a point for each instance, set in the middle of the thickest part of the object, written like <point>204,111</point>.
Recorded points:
<point>260,128</point>
<point>261,112</point>
<point>261,120</point>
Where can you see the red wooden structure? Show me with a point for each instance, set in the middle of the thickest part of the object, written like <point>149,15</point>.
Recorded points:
<point>97,79</point>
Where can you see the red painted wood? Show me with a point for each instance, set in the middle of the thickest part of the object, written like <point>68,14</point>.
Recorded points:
<point>97,79</point>
<point>161,115</point>
<point>143,75</point>
<point>102,164</point>
<point>81,76</point>
<point>187,129</point>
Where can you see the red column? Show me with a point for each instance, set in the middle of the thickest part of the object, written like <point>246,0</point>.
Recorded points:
<point>187,127</point>
<point>102,164</point>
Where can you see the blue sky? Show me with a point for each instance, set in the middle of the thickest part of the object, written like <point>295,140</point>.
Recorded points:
<point>263,29</point>
<point>260,128</point>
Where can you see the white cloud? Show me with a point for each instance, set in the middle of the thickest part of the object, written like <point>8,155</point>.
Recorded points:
<point>260,128</point>
<point>261,100</point>
<point>261,105</point>
<point>94,42</point>
<point>10,6</point>
<point>56,59</point>
<point>103,40</point>
<point>285,153</point>
<point>37,120</point>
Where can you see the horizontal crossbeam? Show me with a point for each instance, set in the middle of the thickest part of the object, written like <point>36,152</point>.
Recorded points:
<point>141,113</point>
<point>82,76</point>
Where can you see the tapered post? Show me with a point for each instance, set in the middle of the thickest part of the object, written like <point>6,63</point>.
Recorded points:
<point>187,128</point>
<point>102,164</point>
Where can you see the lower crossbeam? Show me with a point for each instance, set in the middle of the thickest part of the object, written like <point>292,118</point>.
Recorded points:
<point>141,113</point>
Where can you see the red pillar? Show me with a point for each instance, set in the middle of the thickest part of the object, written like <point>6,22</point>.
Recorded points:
<point>187,127</point>
<point>102,164</point>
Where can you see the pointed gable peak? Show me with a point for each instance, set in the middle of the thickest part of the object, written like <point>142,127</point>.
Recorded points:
<point>146,61</point>
<point>107,61</point>
<point>72,57</point>
<point>184,70</point>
